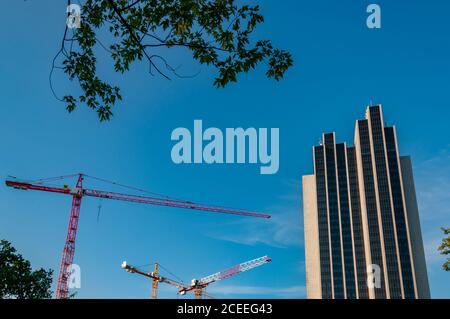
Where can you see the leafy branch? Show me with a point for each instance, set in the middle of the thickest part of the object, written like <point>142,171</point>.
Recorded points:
<point>217,33</point>
<point>444,248</point>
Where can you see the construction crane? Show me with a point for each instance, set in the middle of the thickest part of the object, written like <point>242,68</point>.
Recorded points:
<point>78,192</point>
<point>155,282</point>
<point>197,285</point>
<point>154,276</point>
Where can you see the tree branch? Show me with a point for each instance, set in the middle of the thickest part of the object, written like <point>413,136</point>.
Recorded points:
<point>135,38</point>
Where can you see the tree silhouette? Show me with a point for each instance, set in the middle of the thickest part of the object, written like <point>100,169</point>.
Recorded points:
<point>18,280</point>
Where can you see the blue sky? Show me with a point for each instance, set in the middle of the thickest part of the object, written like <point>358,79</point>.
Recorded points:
<point>340,66</point>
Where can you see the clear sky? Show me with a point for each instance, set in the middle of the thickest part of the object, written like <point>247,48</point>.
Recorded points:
<point>340,65</point>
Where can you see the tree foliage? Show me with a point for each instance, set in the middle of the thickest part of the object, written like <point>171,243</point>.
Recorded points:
<point>18,280</point>
<point>444,248</point>
<point>217,33</point>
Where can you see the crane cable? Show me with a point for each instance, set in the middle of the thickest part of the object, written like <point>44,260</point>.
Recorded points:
<point>42,180</point>
<point>172,274</point>
<point>130,187</point>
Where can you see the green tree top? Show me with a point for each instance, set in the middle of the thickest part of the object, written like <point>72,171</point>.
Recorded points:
<point>18,280</point>
<point>217,33</point>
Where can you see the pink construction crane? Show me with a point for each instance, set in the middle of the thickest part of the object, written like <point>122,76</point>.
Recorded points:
<point>78,192</point>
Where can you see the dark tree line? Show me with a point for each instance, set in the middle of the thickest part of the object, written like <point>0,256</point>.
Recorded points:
<point>18,280</point>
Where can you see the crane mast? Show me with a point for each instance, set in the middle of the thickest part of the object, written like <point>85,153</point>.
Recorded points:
<point>78,192</point>
<point>155,282</point>
<point>62,291</point>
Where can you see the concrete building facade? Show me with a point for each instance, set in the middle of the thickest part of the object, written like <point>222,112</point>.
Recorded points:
<point>362,228</point>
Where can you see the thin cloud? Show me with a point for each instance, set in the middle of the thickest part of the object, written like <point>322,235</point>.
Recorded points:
<point>432,180</point>
<point>433,256</point>
<point>432,183</point>
<point>284,229</point>
<point>286,292</point>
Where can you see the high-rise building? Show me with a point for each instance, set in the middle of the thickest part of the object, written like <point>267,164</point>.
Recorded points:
<point>362,229</point>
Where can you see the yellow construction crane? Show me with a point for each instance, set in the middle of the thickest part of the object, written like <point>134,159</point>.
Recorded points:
<point>155,282</point>
<point>196,286</point>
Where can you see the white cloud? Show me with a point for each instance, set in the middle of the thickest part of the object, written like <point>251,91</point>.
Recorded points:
<point>284,229</point>
<point>432,185</point>
<point>432,254</point>
<point>286,292</point>
<point>432,180</point>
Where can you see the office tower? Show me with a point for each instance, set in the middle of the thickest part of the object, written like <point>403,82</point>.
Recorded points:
<point>362,229</point>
